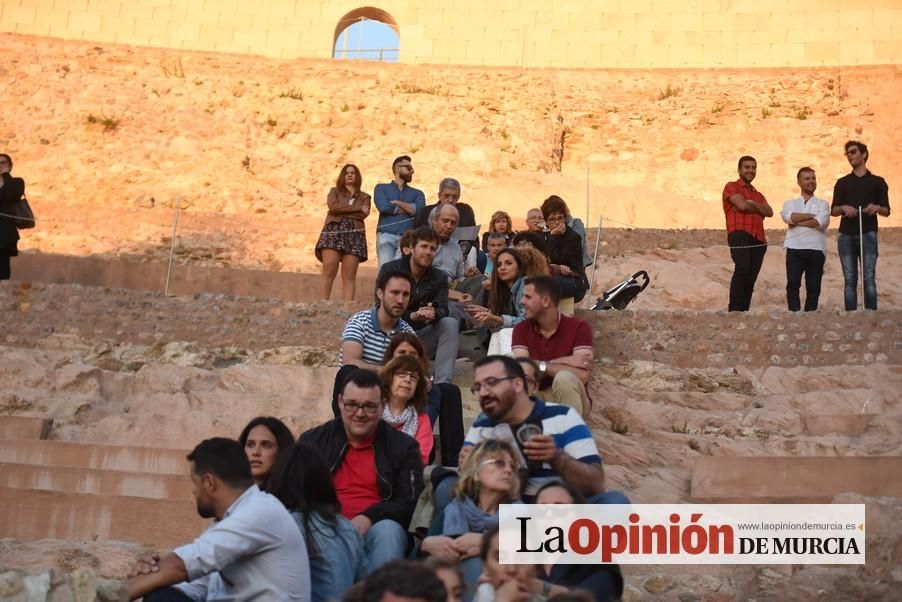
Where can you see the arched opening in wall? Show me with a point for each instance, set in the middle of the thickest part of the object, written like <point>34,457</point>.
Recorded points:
<point>367,33</point>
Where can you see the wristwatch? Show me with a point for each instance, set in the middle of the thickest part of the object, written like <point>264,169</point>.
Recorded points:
<point>543,367</point>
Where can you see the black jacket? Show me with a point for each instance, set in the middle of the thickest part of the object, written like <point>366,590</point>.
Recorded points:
<point>433,288</point>
<point>467,217</point>
<point>12,191</point>
<point>566,249</point>
<point>399,469</point>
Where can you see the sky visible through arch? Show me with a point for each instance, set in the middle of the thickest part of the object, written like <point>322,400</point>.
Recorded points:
<point>369,36</point>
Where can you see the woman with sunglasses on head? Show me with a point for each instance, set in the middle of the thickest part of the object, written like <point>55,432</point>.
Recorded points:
<point>488,478</point>
<point>263,439</point>
<point>443,401</point>
<point>343,239</point>
<point>11,191</point>
<point>405,391</point>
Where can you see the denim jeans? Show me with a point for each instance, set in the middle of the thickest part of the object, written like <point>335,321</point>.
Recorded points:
<point>572,286</point>
<point>167,594</point>
<point>385,541</point>
<point>386,246</point>
<point>441,342</point>
<point>849,255</point>
<point>811,263</point>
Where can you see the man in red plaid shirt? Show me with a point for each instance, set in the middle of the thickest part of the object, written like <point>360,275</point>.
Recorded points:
<point>745,209</point>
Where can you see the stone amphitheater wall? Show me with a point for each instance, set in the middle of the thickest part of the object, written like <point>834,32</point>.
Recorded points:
<point>526,33</point>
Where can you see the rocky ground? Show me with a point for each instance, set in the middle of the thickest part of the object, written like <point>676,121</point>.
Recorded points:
<point>109,138</point>
<point>131,367</point>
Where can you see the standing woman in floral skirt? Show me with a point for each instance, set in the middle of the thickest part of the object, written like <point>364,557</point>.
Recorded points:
<point>343,239</point>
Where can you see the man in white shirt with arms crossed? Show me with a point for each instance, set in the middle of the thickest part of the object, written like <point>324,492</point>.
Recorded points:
<point>808,218</point>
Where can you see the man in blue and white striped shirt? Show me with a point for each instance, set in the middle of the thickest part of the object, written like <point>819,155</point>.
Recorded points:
<point>368,333</point>
<point>553,438</point>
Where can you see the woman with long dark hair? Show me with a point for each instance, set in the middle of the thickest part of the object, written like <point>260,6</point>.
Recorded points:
<point>263,439</point>
<point>302,481</point>
<point>343,239</point>
<point>11,191</point>
<point>505,293</point>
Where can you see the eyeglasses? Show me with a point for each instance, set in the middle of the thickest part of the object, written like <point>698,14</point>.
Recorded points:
<point>851,151</point>
<point>555,219</point>
<point>499,463</point>
<point>490,383</point>
<point>408,375</point>
<point>351,408</point>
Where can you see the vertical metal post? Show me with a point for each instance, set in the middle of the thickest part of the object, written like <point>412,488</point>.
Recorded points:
<point>588,175</point>
<point>594,262</point>
<point>861,256</point>
<point>175,229</point>
<point>380,55</point>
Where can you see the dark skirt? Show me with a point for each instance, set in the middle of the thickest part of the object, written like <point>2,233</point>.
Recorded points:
<point>344,238</point>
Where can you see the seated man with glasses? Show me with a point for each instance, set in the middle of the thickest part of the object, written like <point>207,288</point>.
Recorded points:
<point>553,438</point>
<point>377,470</point>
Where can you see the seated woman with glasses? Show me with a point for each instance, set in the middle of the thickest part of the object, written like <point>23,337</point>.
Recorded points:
<point>443,400</point>
<point>564,249</point>
<point>405,390</point>
<point>488,478</point>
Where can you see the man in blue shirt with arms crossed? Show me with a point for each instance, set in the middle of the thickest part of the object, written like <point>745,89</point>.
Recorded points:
<point>398,204</point>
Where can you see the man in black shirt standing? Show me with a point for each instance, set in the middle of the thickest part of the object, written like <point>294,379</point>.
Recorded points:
<point>859,198</point>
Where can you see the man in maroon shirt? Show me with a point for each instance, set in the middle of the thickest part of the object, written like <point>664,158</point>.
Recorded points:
<point>745,209</point>
<point>559,344</point>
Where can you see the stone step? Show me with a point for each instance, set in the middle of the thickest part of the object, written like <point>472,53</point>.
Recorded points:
<point>93,481</point>
<point>151,460</point>
<point>25,427</point>
<point>725,479</point>
<point>30,515</point>
<point>843,424</point>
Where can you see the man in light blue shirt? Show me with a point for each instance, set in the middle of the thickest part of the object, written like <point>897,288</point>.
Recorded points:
<point>253,551</point>
<point>398,204</point>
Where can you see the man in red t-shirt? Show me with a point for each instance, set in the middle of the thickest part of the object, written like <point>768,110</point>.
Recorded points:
<point>559,344</point>
<point>377,470</point>
<point>745,209</point>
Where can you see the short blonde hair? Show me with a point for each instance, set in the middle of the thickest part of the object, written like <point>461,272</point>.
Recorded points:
<point>488,449</point>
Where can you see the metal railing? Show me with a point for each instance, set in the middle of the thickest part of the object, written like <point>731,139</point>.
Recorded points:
<point>380,53</point>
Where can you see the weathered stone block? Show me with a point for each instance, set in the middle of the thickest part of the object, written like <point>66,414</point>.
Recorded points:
<point>845,424</point>
<point>793,480</point>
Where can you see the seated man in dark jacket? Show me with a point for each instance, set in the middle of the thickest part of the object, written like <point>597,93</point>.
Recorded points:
<point>427,310</point>
<point>377,470</point>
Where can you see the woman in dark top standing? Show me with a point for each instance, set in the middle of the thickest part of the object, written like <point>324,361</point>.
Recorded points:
<point>11,190</point>
<point>564,249</point>
<point>343,239</point>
